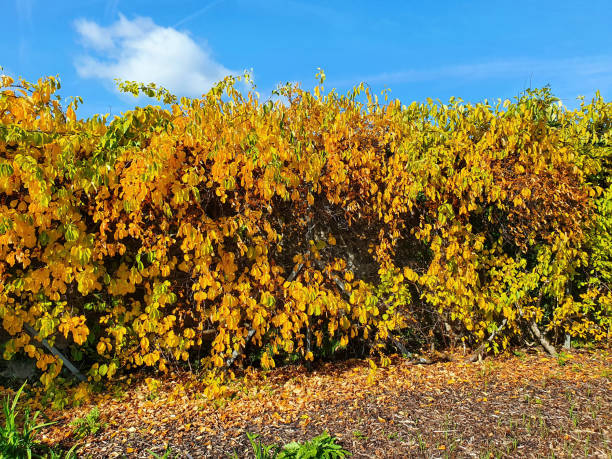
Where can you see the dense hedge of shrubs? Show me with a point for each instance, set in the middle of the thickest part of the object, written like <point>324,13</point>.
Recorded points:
<point>217,228</point>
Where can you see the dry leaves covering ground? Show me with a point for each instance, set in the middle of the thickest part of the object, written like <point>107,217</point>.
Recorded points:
<point>528,405</point>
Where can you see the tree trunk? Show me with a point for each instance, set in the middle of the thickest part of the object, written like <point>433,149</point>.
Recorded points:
<point>543,341</point>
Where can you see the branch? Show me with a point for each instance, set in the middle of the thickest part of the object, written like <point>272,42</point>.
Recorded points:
<point>543,341</point>
<point>538,334</point>
<point>406,353</point>
<point>236,353</point>
<point>479,351</point>
<point>34,334</point>
<point>397,343</point>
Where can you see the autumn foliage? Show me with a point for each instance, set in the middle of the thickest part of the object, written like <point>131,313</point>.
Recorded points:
<point>225,227</point>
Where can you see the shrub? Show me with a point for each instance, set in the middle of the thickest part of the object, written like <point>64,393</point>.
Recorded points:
<point>224,224</point>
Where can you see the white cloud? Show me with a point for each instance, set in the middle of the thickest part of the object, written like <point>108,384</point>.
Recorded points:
<point>143,51</point>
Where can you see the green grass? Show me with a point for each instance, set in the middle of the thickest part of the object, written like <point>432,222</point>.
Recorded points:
<point>20,441</point>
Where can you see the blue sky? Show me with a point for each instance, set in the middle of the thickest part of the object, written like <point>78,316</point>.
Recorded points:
<point>468,49</point>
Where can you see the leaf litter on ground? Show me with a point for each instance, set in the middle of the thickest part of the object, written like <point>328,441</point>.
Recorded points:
<point>529,404</point>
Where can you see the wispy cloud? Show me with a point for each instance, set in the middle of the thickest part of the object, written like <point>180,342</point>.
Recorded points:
<point>580,73</point>
<point>143,51</point>
<point>24,11</point>
<point>110,10</point>
<point>24,18</point>
<point>199,12</point>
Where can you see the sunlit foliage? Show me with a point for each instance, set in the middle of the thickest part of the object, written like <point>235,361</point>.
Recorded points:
<point>204,226</point>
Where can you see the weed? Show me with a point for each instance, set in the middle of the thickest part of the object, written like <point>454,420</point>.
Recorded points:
<point>118,393</point>
<point>569,448</point>
<point>519,354</point>
<point>594,410</point>
<point>544,428</point>
<point>527,423</point>
<point>168,454</point>
<point>89,424</point>
<point>485,372</point>
<point>453,446</point>
<point>261,450</point>
<point>563,357</point>
<point>422,444</point>
<point>393,436</point>
<point>16,442</point>
<point>322,446</point>
<point>70,454</point>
